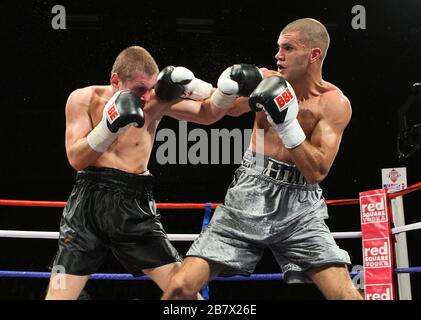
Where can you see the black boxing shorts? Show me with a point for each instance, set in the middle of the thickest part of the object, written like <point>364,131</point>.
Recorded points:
<point>112,210</point>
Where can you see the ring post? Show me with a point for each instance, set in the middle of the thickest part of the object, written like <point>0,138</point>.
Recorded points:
<point>394,179</point>
<point>401,250</point>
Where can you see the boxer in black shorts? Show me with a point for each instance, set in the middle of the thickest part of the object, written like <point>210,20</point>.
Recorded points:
<point>112,210</point>
<point>110,131</point>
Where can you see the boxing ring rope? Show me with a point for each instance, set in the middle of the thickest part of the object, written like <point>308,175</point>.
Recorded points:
<point>62,204</point>
<point>130,277</point>
<point>167,205</point>
<point>186,237</point>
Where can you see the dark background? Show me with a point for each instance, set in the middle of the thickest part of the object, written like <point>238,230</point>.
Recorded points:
<point>40,66</point>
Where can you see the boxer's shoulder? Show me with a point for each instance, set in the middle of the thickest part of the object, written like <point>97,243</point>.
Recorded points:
<point>331,95</point>
<point>90,97</point>
<point>335,105</point>
<point>331,91</point>
<point>91,94</point>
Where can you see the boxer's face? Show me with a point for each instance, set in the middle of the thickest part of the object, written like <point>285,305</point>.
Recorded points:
<point>140,84</point>
<point>292,57</point>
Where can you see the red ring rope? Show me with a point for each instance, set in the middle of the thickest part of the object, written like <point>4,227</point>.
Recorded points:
<point>340,202</point>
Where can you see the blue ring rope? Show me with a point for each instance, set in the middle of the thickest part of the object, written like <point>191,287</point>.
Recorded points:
<point>128,276</point>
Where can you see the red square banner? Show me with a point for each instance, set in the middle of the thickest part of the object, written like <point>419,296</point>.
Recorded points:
<point>377,251</point>
<point>379,292</point>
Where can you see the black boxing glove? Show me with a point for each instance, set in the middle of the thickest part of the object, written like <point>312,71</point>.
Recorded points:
<point>277,98</point>
<point>180,82</point>
<point>237,80</point>
<point>123,110</point>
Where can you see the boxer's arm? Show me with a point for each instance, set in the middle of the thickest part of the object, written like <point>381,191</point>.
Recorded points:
<point>241,105</point>
<point>230,98</point>
<point>314,157</point>
<point>203,112</point>
<point>268,72</point>
<point>78,126</point>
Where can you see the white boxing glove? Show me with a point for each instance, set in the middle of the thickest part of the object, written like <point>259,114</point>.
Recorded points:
<point>180,82</point>
<point>237,80</point>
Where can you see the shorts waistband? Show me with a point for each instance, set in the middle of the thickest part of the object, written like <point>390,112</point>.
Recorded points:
<point>272,168</point>
<point>117,177</point>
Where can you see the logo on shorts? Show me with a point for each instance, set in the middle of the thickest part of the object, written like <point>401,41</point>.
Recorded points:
<point>67,239</point>
<point>290,267</point>
<point>58,279</point>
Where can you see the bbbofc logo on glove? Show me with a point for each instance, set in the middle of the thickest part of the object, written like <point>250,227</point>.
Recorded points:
<point>112,114</point>
<point>283,99</point>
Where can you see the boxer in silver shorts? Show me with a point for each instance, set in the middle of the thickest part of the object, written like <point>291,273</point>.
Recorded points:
<point>276,203</point>
<point>269,204</point>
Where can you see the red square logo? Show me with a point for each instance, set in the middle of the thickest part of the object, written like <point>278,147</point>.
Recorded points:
<point>112,113</point>
<point>283,99</point>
